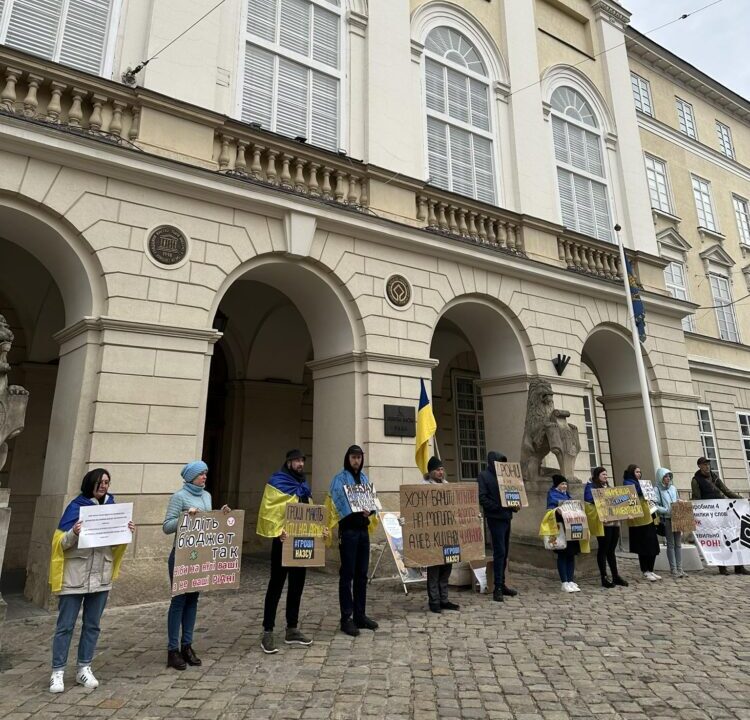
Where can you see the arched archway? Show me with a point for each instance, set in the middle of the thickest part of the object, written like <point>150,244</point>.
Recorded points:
<point>283,376</point>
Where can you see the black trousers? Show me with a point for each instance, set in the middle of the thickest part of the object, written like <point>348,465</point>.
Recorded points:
<point>437,583</point>
<point>276,586</point>
<point>354,547</point>
<point>500,532</point>
<point>605,553</point>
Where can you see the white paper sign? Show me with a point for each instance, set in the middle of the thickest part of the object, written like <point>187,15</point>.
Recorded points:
<point>722,531</point>
<point>649,492</point>
<point>105,525</point>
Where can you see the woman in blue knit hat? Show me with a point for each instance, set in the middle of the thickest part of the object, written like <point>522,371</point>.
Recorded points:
<point>192,497</point>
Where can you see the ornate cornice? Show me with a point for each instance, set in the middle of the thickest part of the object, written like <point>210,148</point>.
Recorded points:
<point>90,324</point>
<point>611,12</point>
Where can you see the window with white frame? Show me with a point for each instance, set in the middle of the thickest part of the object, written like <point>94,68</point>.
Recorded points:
<point>686,118</point>
<point>721,292</point>
<point>472,447</point>
<point>725,139</point>
<point>459,124</point>
<point>581,177</point>
<point>656,173</point>
<point>743,418</point>
<point>589,420</point>
<point>703,204</point>
<point>641,94</point>
<point>708,439</point>
<point>676,284</point>
<point>742,213</point>
<point>71,32</point>
<point>292,68</point>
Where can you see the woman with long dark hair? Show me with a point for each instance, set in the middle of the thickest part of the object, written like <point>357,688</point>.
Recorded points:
<point>644,541</point>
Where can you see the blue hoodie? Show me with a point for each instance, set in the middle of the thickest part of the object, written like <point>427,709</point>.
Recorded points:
<point>665,496</point>
<point>555,497</point>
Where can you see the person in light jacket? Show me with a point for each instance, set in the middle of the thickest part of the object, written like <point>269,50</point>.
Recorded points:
<point>666,494</point>
<point>192,498</point>
<point>81,577</point>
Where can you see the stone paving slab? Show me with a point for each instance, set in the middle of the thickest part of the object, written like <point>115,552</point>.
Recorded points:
<point>674,649</point>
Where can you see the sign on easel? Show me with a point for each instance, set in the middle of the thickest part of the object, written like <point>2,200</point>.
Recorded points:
<point>395,536</point>
<point>304,546</point>
<point>512,490</point>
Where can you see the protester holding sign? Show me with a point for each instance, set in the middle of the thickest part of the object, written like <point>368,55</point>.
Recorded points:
<point>192,498</point>
<point>643,539</point>
<point>498,520</point>
<point>707,485</point>
<point>354,543</point>
<point>287,485</point>
<point>666,496</point>
<point>81,577</point>
<point>608,533</point>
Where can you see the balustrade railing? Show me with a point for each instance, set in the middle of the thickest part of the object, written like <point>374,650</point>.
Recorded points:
<point>591,257</point>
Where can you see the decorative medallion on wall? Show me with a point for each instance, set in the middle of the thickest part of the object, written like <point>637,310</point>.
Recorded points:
<point>398,291</point>
<point>167,246</point>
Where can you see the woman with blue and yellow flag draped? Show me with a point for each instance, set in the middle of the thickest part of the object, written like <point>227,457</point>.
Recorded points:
<point>81,576</point>
<point>286,485</point>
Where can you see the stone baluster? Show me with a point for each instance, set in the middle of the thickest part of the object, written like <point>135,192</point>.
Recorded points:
<point>502,234</point>
<point>483,229</point>
<point>135,125</point>
<point>313,186</point>
<point>442,219</point>
<point>271,174</point>
<point>8,96</point>
<point>31,102</point>
<point>352,195</point>
<point>432,221</point>
<point>452,224</point>
<point>54,106</point>
<point>240,161</point>
<point>599,259</point>
<point>569,262</point>
<point>285,177</point>
<point>463,228</point>
<point>224,152</point>
<point>339,191</point>
<point>364,192</point>
<point>491,236</point>
<point>299,175</point>
<point>613,269</point>
<point>576,256</point>
<point>473,232</point>
<point>256,169</point>
<point>421,208</point>
<point>95,119</point>
<point>326,187</point>
<point>512,237</point>
<point>115,125</point>
<point>75,114</point>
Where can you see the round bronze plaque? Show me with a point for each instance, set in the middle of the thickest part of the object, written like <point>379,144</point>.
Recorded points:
<point>167,245</point>
<point>398,290</point>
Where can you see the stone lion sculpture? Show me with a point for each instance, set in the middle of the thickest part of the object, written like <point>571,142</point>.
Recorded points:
<point>13,398</point>
<point>547,430</point>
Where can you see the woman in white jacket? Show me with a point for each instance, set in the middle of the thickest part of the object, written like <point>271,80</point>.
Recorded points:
<point>666,494</point>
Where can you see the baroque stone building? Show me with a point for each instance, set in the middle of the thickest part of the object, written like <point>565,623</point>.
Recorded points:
<point>303,207</point>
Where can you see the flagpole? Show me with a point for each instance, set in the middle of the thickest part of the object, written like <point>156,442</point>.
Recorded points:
<point>650,428</point>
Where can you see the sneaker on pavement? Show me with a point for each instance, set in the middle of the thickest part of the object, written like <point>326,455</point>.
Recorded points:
<point>565,587</point>
<point>682,572</point>
<point>295,637</point>
<point>656,577</point>
<point>574,586</point>
<point>740,570</point>
<point>56,681</point>
<point>267,644</point>
<point>85,677</point>
<point>675,572</point>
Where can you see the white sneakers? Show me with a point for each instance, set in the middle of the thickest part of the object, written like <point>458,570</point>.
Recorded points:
<point>569,587</point>
<point>85,677</point>
<point>651,576</point>
<point>56,681</point>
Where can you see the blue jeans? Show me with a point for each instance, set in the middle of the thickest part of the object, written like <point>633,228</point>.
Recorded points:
<point>354,546</point>
<point>183,610</point>
<point>68,607</point>
<point>566,566</point>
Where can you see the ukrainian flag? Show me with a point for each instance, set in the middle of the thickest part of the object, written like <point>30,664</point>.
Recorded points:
<point>426,427</point>
<point>280,490</point>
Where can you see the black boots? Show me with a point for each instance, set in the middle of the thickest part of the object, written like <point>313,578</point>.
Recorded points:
<point>348,627</point>
<point>606,582</point>
<point>497,594</point>
<point>617,580</point>
<point>365,623</point>
<point>189,656</point>
<point>175,660</point>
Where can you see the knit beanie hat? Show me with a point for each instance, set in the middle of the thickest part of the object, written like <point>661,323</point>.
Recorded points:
<point>557,479</point>
<point>192,470</point>
<point>434,463</point>
<point>295,455</point>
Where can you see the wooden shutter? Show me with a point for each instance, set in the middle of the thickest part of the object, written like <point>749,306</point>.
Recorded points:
<point>567,199</point>
<point>294,30</point>
<point>437,152</point>
<point>458,96</point>
<point>325,36</point>
<point>462,166</point>
<point>261,18</point>
<point>325,111</point>
<point>34,25</point>
<point>435,85</point>
<point>584,205</point>
<point>85,35</point>
<point>483,169</point>
<point>560,139</point>
<point>480,110</point>
<point>257,95</point>
<point>577,146</point>
<point>292,100</point>
<point>601,211</point>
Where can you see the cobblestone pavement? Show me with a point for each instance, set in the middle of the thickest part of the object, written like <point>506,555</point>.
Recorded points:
<point>674,649</point>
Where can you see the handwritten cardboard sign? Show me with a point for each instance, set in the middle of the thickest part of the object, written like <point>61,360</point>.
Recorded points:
<point>617,503</point>
<point>649,492</point>
<point>362,498</point>
<point>574,519</point>
<point>208,552</point>
<point>304,545</point>
<point>442,524</point>
<point>512,490</point>
<point>683,518</point>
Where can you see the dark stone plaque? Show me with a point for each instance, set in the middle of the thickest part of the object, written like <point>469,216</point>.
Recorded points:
<point>167,245</point>
<point>400,420</point>
<point>398,290</point>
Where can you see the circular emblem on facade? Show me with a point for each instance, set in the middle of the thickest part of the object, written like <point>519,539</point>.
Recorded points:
<point>398,291</point>
<point>167,245</point>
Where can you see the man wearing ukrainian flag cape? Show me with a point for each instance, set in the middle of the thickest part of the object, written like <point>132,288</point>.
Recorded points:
<point>286,485</point>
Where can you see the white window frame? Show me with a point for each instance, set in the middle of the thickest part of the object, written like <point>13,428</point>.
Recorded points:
<point>108,52</point>
<point>705,203</point>
<point>675,289</point>
<point>478,414</point>
<point>686,118</point>
<point>592,433</point>
<point>341,74</point>
<point>724,133</point>
<point>744,439</point>
<point>724,307</point>
<point>742,215</point>
<point>711,434</point>
<point>467,127</point>
<point>655,192</point>
<point>641,92</point>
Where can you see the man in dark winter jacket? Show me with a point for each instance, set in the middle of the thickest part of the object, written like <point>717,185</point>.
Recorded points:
<point>707,485</point>
<point>498,521</point>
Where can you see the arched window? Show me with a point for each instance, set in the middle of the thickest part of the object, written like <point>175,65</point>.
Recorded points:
<point>581,177</point>
<point>292,72</point>
<point>459,131</point>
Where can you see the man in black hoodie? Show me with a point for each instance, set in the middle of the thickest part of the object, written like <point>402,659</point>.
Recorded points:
<point>354,545</point>
<point>498,520</point>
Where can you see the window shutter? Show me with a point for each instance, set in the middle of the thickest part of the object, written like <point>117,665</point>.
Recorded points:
<point>435,86</point>
<point>458,96</point>
<point>325,111</point>
<point>584,205</point>
<point>325,37</point>
<point>85,34</point>
<point>257,96</point>
<point>291,108</point>
<point>462,175</point>
<point>577,146</point>
<point>437,153</point>
<point>261,18</point>
<point>560,139</point>
<point>594,154</point>
<point>480,110</point>
<point>485,179</point>
<point>34,25</point>
<point>601,211</point>
<point>567,199</point>
<point>294,32</point>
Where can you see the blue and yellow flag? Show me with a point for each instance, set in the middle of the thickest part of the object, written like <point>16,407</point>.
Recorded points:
<point>281,489</point>
<point>426,427</point>
<point>639,311</point>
